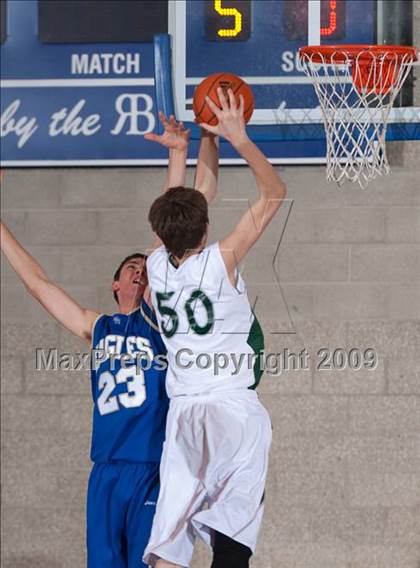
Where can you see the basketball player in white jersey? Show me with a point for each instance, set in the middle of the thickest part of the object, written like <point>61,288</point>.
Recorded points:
<point>218,434</point>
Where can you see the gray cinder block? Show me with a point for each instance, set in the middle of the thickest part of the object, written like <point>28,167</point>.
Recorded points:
<point>29,486</point>
<point>308,413</point>
<point>355,301</point>
<point>404,375</point>
<point>354,527</point>
<point>349,225</point>
<point>368,489</point>
<point>61,227</point>
<point>394,339</point>
<point>384,414</point>
<point>11,375</point>
<point>21,339</point>
<point>32,188</point>
<point>55,382</point>
<point>76,413</point>
<point>312,263</point>
<point>30,413</point>
<point>103,188</point>
<point>403,301</point>
<point>128,228</point>
<point>361,380</point>
<point>393,263</point>
<point>403,224</point>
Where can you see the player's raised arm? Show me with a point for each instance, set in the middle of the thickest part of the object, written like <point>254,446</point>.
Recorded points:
<point>272,190</point>
<point>207,172</point>
<point>57,302</point>
<point>176,139</point>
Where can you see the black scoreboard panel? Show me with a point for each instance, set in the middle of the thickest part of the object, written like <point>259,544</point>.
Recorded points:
<point>97,21</point>
<point>3,31</point>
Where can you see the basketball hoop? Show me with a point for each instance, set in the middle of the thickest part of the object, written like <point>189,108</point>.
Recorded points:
<point>356,86</point>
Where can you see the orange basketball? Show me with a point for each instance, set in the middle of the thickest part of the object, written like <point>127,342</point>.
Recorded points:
<point>209,87</point>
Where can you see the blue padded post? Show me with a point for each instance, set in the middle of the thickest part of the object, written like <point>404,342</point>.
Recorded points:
<point>163,75</point>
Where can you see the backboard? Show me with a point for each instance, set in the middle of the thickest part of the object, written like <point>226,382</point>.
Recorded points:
<point>260,41</point>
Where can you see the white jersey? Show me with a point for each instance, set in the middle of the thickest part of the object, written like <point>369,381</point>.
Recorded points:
<point>211,334</point>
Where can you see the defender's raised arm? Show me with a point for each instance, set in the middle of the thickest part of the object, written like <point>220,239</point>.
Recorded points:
<point>176,139</point>
<point>54,299</point>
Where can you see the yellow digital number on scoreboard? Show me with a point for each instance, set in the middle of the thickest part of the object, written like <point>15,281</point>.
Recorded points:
<point>228,20</point>
<point>229,12</point>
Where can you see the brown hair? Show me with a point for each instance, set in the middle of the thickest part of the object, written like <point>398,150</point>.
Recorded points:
<point>122,263</point>
<point>180,217</point>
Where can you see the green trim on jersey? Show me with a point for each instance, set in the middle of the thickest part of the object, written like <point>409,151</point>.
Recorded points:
<point>256,342</point>
<point>172,261</point>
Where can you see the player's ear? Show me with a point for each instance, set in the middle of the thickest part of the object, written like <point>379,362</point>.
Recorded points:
<point>115,286</point>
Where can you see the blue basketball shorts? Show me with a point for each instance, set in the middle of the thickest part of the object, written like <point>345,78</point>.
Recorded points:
<point>121,505</point>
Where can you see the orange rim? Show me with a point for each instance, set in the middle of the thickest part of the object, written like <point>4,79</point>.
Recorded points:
<point>349,52</point>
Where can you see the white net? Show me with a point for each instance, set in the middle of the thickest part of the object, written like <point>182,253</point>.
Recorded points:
<point>356,87</point>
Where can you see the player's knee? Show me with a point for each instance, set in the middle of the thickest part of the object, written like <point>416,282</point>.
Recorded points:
<point>228,553</point>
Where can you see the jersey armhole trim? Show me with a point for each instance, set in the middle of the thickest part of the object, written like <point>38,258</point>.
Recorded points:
<point>148,319</point>
<point>148,310</point>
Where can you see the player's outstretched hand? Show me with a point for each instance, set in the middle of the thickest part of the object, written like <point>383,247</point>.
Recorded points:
<point>231,123</point>
<point>175,137</point>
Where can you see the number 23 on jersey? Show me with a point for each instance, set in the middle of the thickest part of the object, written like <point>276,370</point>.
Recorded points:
<point>134,397</point>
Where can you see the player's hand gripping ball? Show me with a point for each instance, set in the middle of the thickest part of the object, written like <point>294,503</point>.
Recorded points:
<point>208,87</point>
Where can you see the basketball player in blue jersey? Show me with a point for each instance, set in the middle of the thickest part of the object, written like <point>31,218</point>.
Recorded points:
<point>130,402</point>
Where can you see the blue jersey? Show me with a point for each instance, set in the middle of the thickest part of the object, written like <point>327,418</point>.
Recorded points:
<point>128,388</point>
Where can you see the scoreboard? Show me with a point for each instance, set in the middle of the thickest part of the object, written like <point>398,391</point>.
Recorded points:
<point>82,81</point>
<point>261,45</point>
<point>70,95</point>
<point>219,28</point>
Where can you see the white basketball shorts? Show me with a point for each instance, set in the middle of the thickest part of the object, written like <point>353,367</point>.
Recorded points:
<point>213,473</point>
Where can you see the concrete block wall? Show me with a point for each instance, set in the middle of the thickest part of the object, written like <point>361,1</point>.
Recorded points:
<point>344,482</point>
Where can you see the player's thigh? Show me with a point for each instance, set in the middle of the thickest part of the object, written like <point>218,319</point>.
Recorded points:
<point>243,454</point>
<point>105,520</point>
<point>237,470</point>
